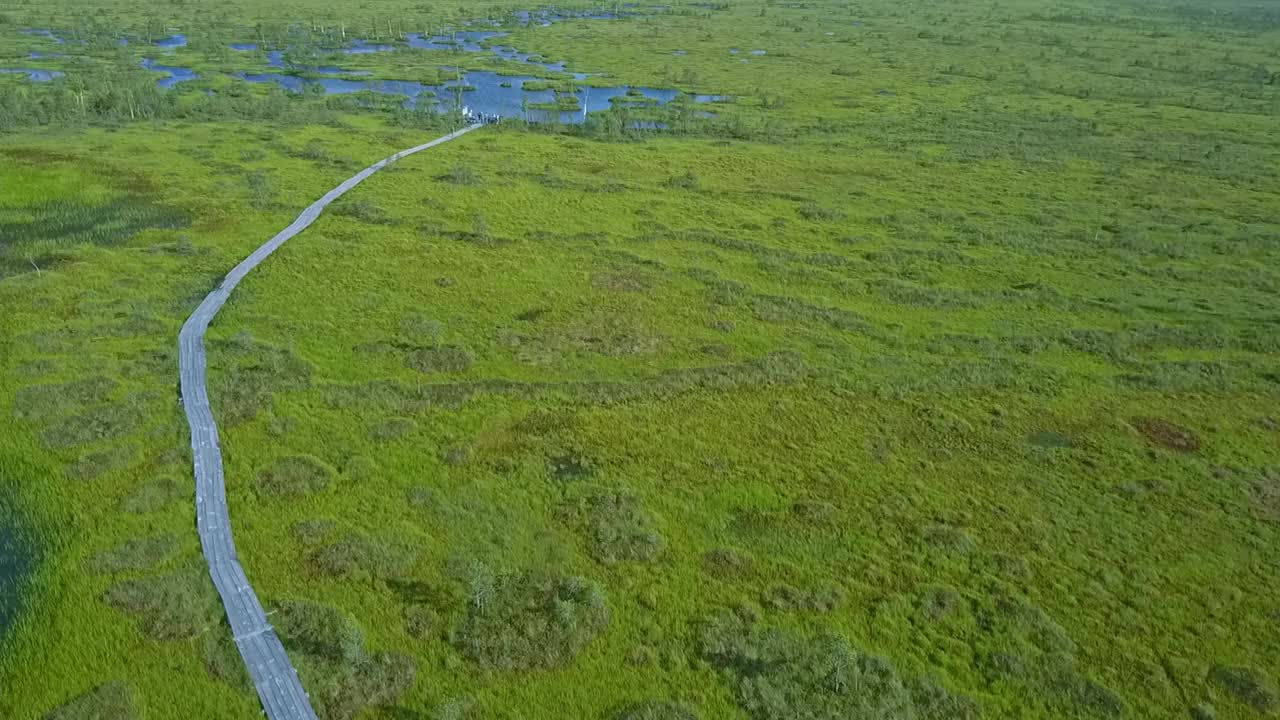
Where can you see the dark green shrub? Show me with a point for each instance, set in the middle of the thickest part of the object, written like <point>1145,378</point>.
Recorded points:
<point>656,710</point>
<point>93,464</point>
<point>110,701</point>
<point>687,181</point>
<point>294,476</point>
<point>222,658</point>
<point>99,424</point>
<point>155,495</point>
<point>948,539</point>
<point>44,402</point>
<point>392,429</point>
<point>310,532</point>
<point>364,556</point>
<point>174,606</point>
<point>460,175</point>
<point>616,527</point>
<point>140,554</point>
<point>778,675</point>
<point>785,597</point>
<point>447,359</point>
<point>817,213</point>
<point>319,630</point>
<point>728,563</point>
<point>1248,686</point>
<point>243,381</point>
<point>527,621</point>
<point>377,680</point>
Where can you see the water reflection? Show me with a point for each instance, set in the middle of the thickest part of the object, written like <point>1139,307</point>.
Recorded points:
<point>175,74</point>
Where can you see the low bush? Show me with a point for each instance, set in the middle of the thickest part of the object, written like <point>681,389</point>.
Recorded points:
<point>788,598</point>
<point>142,554</point>
<point>656,710</point>
<point>1248,686</point>
<point>460,175</point>
<point>99,462</point>
<point>392,429</point>
<point>222,658</point>
<point>110,701</point>
<point>158,494</point>
<point>447,359</point>
<point>363,556</point>
<point>177,605</point>
<point>948,539</point>
<point>780,675</point>
<point>318,630</point>
<point>615,525</point>
<point>364,211</point>
<point>102,423</point>
<point>243,383</point>
<point>328,647</point>
<point>310,532</point>
<point>527,621</point>
<point>44,402</point>
<point>293,476</point>
<point>728,563</point>
<point>377,680</point>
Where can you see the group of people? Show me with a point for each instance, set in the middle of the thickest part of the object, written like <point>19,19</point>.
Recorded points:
<point>482,118</point>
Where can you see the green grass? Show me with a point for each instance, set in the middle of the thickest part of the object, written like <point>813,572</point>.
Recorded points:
<point>934,377</point>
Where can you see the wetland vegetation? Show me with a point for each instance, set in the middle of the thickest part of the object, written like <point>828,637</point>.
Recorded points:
<point>859,360</point>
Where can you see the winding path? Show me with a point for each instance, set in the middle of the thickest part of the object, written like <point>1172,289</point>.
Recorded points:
<point>282,695</point>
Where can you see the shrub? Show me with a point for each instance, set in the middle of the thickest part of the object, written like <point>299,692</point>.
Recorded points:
<point>447,359</point>
<point>1165,434</point>
<point>140,554</point>
<point>110,701</point>
<point>778,675</point>
<point>392,429</point>
<point>615,526</point>
<point>222,658</point>
<point>318,630</point>
<point>948,539</point>
<point>687,181</point>
<point>460,175</point>
<point>364,211</point>
<point>43,402</point>
<point>174,606</point>
<point>295,475</point>
<point>98,424</point>
<point>420,621</point>
<point>728,563</point>
<point>363,556</point>
<point>155,495</point>
<point>310,532</point>
<point>330,647</point>
<point>359,467</point>
<point>93,464</point>
<point>421,330</point>
<point>656,710</point>
<point>527,621</point>
<point>254,373</point>
<point>377,680</point>
<point>786,597</point>
<point>815,212</point>
<point>1248,686</point>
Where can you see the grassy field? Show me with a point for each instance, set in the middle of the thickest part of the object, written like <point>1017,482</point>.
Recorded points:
<point>934,377</point>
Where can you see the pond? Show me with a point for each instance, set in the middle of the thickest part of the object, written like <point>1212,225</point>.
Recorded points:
<point>33,74</point>
<point>482,92</point>
<point>17,560</point>
<point>175,74</point>
<point>45,33</point>
<point>173,41</point>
